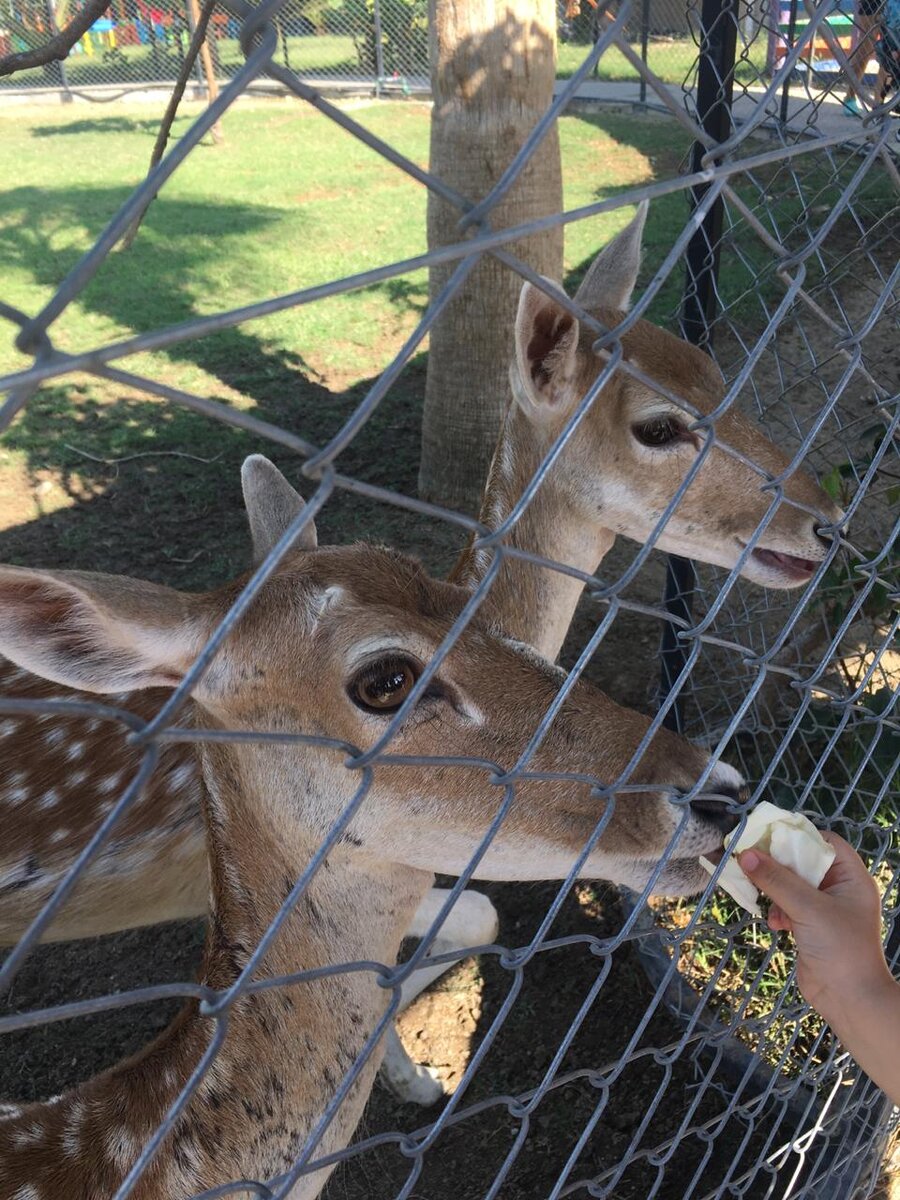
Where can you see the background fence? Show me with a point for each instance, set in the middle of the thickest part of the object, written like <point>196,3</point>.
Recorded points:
<point>383,44</point>
<point>792,280</point>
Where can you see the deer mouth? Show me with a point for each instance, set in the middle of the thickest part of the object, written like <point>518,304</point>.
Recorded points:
<point>791,565</point>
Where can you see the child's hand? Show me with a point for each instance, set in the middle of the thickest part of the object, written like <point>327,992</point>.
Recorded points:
<point>837,927</point>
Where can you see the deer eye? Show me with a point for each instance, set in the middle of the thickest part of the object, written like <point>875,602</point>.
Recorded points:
<point>382,686</point>
<point>660,431</point>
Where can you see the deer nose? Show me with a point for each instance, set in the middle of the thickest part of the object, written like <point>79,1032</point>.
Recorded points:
<point>826,531</point>
<point>717,809</point>
<point>824,535</point>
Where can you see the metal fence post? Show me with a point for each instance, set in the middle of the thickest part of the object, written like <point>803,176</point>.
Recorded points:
<point>58,68</point>
<point>191,23</point>
<point>791,35</point>
<point>379,50</point>
<point>645,36</point>
<point>718,43</point>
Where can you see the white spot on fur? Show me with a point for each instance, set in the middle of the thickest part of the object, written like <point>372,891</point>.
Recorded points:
<point>28,1134</point>
<point>74,750</point>
<point>71,1136</point>
<point>55,736</point>
<point>26,1192</point>
<point>726,776</point>
<point>77,778</point>
<point>8,727</point>
<point>16,796</point>
<point>182,776</point>
<point>59,835</point>
<point>50,799</point>
<point>122,1147</point>
<point>14,875</point>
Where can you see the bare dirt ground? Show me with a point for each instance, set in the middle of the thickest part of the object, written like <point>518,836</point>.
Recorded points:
<point>132,526</point>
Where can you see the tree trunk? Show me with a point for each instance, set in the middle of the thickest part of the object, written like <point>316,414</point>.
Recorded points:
<point>492,72</point>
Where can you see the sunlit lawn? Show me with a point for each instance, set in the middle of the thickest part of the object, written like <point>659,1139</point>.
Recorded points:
<point>288,201</point>
<point>324,55</point>
<point>672,60</point>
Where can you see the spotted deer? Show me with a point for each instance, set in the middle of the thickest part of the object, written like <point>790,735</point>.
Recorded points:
<point>617,474</point>
<point>333,644</point>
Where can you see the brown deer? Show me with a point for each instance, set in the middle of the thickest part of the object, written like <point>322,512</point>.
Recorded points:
<point>333,644</point>
<point>618,472</point>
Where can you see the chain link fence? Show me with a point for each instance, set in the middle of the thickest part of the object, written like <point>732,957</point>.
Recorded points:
<point>383,44</point>
<point>790,240</point>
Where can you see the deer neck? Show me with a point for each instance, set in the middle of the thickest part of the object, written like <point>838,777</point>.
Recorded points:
<point>286,1049</point>
<point>531,603</point>
<point>293,1045</point>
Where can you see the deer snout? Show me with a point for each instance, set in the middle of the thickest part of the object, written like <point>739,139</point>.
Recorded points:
<point>826,533</point>
<point>717,806</point>
<point>715,811</point>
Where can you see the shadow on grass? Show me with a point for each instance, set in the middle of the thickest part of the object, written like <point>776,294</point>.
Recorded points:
<point>171,510</point>
<point>176,517</point>
<point>111,124</point>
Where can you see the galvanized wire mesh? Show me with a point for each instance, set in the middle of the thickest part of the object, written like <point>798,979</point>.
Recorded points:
<point>135,45</point>
<point>343,44</point>
<point>799,690</point>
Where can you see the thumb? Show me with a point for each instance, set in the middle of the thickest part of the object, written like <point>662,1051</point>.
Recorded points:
<point>793,895</point>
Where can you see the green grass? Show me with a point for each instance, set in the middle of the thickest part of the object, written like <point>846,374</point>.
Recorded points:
<point>287,201</point>
<point>672,60</point>
<point>324,55</point>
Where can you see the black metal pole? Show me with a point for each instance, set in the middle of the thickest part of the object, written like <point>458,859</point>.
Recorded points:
<point>786,86</point>
<point>57,69</point>
<point>379,49</point>
<point>645,37</point>
<point>279,25</point>
<point>198,69</point>
<point>718,43</point>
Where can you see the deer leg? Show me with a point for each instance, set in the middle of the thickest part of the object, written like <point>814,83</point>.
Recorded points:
<point>407,1081</point>
<point>471,922</point>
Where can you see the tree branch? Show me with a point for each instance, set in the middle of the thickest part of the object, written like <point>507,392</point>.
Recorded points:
<point>165,128</point>
<point>56,49</point>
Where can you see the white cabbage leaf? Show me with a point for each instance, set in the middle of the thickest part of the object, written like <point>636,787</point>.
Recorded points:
<point>789,837</point>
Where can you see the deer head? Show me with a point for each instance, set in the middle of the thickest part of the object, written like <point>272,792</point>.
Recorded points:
<point>634,448</point>
<point>333,644</point>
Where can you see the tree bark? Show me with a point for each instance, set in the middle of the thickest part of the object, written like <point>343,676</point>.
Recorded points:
<point>493,64</point>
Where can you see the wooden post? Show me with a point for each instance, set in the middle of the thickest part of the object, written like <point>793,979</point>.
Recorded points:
<point>212,84</point>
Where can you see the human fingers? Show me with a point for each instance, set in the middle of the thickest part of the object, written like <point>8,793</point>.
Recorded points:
<point>778,920</point>
<point>847,869</point>
<point>792,894</point>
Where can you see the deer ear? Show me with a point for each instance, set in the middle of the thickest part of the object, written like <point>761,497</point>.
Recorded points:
<point>546,354</point>
<point>612,275</point>
<point>272,504</point>
<point>101,633</point>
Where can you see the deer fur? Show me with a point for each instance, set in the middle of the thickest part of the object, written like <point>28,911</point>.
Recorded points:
<point>61,777</point>
<point>323,620</point>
